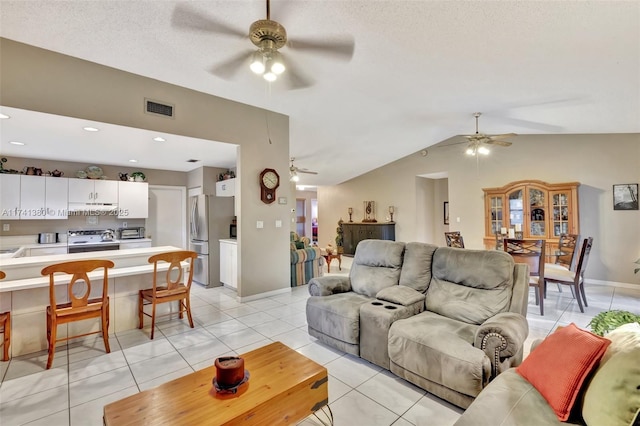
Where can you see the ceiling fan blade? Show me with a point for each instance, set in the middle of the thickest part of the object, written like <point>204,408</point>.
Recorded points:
<point>499,143</point>
<point>502,136</point>
<point>294,78</point>
<point>228,68</point>
<point>185,18</point>
<point>341,49</point>
<point>309,172</point>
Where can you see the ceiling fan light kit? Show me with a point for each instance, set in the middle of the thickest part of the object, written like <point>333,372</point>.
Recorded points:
<point>269,37</point>
<point>477,141</point>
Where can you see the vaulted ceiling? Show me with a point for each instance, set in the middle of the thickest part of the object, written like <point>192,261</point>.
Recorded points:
<point>419,70</point>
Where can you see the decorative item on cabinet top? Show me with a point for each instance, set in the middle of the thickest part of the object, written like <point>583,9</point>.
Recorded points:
<point>369,212</point>
<point>229,174</point>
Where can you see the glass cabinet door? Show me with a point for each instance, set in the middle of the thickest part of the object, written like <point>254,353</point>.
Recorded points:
<point>537,211</point>
<point>496,211</point>
<point>560,208</point>
<point>516,208</point>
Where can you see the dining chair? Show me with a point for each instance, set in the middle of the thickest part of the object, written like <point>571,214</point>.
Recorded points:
<point>80,306</point>
<point>575,279</point>
<point>454,239</point>
<point>530,252</point>
<point>565,254</point>
<point>5,325</point>
<point>168,289</point>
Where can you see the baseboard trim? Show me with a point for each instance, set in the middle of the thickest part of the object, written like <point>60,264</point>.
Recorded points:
<point>613,284</point>
<point>263,295</point>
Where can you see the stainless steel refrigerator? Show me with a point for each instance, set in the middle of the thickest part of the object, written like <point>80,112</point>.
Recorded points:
<point>209,220</point>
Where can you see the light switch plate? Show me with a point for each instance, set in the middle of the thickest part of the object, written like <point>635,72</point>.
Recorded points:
<point>6,226</point>
<point>92,220</point>
<point>259,224</point>
<point>278,223</point>
<point>282,200</point>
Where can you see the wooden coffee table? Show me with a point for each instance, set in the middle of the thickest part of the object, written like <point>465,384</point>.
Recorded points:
<point>284,388</point>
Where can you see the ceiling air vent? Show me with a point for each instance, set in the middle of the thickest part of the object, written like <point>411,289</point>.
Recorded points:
<point>193,160</point>
<point>157,108</point>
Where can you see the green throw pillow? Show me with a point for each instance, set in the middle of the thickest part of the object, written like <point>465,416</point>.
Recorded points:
<point>299,245</point>
<point>613,395</point>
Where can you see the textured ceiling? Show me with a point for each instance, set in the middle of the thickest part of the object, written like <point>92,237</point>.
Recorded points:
<point>419,71</point>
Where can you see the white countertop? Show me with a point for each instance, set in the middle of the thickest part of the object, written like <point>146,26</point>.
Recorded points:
<point>24,272</point>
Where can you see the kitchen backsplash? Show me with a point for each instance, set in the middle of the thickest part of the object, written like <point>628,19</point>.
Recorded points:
<point>30,227</point>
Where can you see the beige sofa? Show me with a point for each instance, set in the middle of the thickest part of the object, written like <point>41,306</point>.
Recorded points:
<point>446,319</point>
<point>609,396</point>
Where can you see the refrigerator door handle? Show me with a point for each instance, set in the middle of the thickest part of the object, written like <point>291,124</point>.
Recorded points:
<point>194,218</point>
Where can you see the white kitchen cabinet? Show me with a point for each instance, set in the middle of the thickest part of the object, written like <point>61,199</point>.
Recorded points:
<point>133,200</point>
<point>93,191</point>
<point>56,197</point>
<point>229,263</point>
<point>32,197</point>
<point>125,244</point>
<point>226,188</point>
<point>9,196</point>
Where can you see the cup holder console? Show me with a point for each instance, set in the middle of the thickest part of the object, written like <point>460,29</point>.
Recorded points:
<point>390,307</point>
<point>376,303</point>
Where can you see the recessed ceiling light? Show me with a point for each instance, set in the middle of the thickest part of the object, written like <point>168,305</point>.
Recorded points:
<point>16,143</point>
<point>4,116</point>
<point>133,161</point>
<point>90,129</point>
<point>159,139</point>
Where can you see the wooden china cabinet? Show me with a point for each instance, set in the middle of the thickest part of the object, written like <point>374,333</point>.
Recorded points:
<point>541,210</point>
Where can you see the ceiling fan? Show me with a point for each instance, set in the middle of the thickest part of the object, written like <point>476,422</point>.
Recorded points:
<point>293,171</point>
<point>269,37</point>
<point>477,141</point>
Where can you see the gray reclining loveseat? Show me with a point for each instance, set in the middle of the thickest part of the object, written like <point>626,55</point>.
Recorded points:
<point>446,319</point>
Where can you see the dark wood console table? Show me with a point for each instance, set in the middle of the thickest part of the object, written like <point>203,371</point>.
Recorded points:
<point>354,232</point>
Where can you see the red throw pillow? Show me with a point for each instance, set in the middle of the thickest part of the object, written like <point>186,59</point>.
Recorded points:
<point>559,365</point>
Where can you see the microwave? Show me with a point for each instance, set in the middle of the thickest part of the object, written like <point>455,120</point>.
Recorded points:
<point>233,231</point>
<point>131,233</point>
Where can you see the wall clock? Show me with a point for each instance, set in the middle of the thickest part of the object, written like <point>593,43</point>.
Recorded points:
<point>269,182</point>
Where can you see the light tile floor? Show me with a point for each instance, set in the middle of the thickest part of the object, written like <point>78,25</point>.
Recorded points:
<point>84,378</point>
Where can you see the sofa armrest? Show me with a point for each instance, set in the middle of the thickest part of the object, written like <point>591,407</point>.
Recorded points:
<point>400,295</point>
<point>326,286</point>
<point>502,336</point>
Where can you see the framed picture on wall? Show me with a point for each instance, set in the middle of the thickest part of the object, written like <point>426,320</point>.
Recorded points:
<point>625,196</point>
<point>446,212</point>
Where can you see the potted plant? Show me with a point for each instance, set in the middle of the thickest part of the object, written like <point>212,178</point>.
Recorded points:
<point>607,321</point>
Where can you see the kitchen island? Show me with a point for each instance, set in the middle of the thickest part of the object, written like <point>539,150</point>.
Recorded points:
<point>25,293</point>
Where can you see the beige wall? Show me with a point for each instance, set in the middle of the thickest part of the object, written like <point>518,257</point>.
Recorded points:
<point>596,161</point>
<point>45,81</point>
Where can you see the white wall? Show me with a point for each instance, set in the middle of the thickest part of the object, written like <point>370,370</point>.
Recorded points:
<point>45,81</point>
<point>596,161</point>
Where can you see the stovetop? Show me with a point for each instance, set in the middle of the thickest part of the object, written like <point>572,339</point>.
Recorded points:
<point>91,236</point>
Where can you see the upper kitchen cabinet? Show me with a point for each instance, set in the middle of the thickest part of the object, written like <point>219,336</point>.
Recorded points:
<point>29,197</point>
<point>56,197</point>
<point>10,197</point>
<point>32,197</point>
<point>133,200</point>
<point>93,191</point>
<point>226,188</point>
<point>43,197</point>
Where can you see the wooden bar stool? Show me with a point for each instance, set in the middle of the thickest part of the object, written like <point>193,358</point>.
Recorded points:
<point>80,307</point>
<point>169,290</point>
<point>5,324</point>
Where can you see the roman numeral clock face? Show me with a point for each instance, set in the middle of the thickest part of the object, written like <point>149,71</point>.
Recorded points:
<point>269,182</point>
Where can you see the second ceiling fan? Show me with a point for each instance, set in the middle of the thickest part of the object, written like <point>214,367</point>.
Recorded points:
<point>293,171</point>
<point>477,141</point>
<point>268,36</point>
